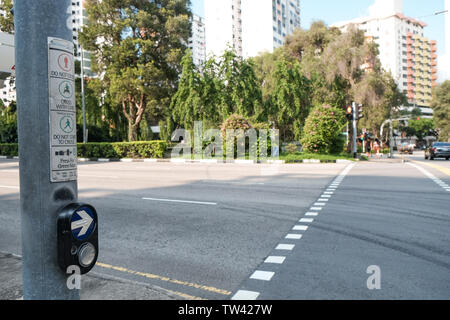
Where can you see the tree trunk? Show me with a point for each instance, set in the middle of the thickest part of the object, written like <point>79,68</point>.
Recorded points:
<point>132,131</point>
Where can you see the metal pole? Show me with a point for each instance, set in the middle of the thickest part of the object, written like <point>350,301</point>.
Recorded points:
<point>83,100</point>
<point>40,199</point>
<point>355,150</point>
<point>391,135</point>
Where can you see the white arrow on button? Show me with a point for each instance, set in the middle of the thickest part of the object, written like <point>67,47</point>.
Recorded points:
<point>84,223</point>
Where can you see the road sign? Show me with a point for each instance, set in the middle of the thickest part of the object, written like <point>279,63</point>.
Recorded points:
<point>62,111</point>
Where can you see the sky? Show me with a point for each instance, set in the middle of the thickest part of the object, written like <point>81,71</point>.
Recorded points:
<point>331,11</point>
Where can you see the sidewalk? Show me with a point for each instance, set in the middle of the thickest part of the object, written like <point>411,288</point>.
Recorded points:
<point>94,286</point>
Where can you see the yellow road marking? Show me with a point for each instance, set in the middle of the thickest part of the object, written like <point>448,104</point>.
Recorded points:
<point>435,166</point>
<point>166,279</point>
<point>184,295</point>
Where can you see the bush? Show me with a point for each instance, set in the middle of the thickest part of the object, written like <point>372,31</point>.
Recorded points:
<point>145,149</point>
<point>291,148</point>
<point>8,133</point>
<point>322,132</point>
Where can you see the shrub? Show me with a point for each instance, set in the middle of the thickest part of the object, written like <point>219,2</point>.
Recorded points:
<point>142,149</point>
<point>322,132</point>
<point>291,148</point>
<point>9,149</point>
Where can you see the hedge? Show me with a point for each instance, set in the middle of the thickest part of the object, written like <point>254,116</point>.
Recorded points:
<point>9,149</point>
<point>115,150</point>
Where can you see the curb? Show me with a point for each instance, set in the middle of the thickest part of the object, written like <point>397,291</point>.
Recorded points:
<point>204,161</point>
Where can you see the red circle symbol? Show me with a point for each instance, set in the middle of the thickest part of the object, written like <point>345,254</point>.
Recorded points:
<point>65,62</point>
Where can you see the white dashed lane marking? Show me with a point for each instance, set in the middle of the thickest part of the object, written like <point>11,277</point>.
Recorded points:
<point>292,236</point>
<point>287,247</point>
<point>245,295</point>
<point>262,275</point>
<point>275,259</point>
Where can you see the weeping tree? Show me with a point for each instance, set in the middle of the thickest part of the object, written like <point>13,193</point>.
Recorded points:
<point>136,47</point>
<point>238,88</point>
<point>290,100</point>
<point>187,104</point>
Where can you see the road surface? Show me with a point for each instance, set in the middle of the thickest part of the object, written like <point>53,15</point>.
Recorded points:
<point>221,231</point>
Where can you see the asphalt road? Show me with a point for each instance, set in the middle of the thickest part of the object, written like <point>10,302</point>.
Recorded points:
<point>207,231</point>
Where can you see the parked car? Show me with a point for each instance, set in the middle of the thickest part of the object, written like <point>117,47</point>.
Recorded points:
<point>438,150</point>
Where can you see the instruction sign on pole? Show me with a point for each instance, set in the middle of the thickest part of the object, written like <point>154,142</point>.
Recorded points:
<point>62,110</point>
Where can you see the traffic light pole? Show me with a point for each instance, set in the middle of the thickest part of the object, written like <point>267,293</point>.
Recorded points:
<point>354,145</point>
<point>47,172</point>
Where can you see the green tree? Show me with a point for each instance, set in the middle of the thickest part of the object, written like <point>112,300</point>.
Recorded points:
<point>441,109</point>
<point>323,129</point>
<point>136,47</point>
<point>187,104</point>
<point>421,128</point>
<point>238,87</point>
<point>6,21</point>
<point>290,101</point>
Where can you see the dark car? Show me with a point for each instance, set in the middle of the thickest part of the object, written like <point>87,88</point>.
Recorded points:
<point>438,150</point>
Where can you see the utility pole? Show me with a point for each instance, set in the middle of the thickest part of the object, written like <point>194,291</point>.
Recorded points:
<point>391,136</point>
<point>47,139</point>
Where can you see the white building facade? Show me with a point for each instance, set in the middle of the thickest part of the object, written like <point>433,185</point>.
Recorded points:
<point>197,41</point>
<point>79,18</point>
<point>404,51</point>
<point>250,27</point>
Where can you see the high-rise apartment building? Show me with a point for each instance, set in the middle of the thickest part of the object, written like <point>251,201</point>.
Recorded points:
<point>79,18</point>
<point>250,27</point>
<point>404,51</point>
<point>7,83</point>
<point>197,41</point>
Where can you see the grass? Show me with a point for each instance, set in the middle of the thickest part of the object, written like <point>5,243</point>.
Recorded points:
<point>291,157</point>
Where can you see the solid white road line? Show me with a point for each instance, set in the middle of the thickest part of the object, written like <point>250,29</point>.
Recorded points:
<point>245,295</point>
<point>287,247</point>
<point>275,259</point>
<point>262,275</point>
<point>181,201</point>
<point>293,236</point>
